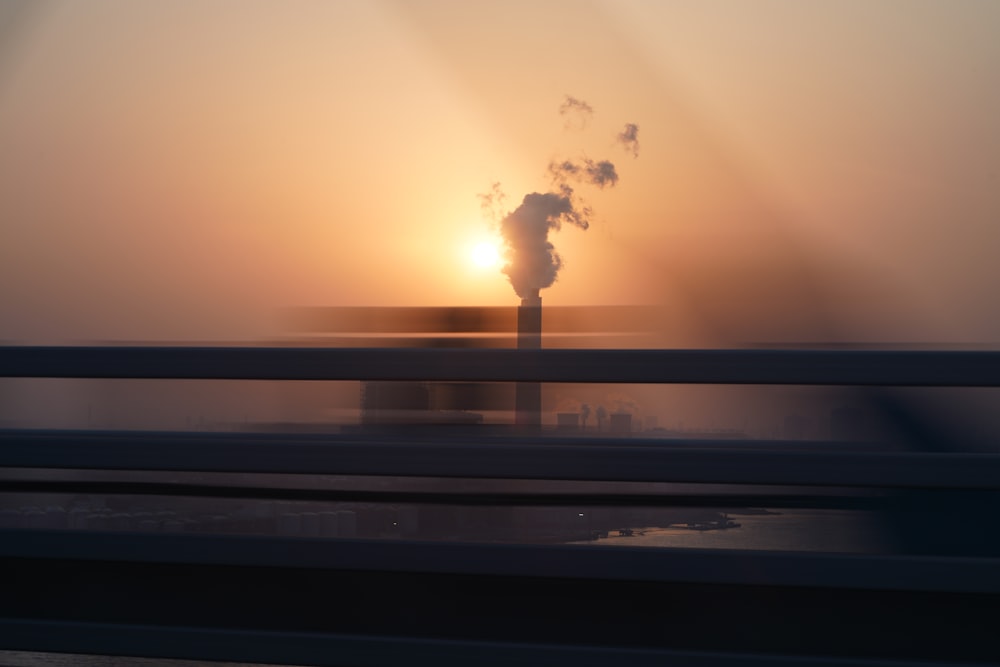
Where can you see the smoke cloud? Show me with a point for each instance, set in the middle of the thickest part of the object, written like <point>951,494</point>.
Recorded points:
<point>629,138</point>
<point>601,173</point>
<point>576,112</point>
<point>492,203</point>
<point>563,170</point>
<point>532,262</point>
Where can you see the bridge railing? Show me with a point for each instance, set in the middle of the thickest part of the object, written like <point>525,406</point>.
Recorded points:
<point>315,600</point>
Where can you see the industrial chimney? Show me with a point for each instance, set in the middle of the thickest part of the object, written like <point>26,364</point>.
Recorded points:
<point>528,395</point>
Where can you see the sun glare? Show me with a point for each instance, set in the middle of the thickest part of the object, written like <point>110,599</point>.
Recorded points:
<point>485,255</point>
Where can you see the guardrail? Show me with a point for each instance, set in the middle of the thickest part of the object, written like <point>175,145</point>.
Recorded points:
<point>373,601</point>
<point>804,367</point>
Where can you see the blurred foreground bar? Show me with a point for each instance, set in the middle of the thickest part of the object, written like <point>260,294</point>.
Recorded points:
<point>473,455</point>
<point>900,368</point>
<point>296,599</point>
<point>472,326</point>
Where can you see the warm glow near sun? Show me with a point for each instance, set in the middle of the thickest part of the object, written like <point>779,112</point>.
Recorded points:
<point>485,255</point>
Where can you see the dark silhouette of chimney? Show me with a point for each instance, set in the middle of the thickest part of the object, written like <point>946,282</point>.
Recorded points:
<point>528,395</point>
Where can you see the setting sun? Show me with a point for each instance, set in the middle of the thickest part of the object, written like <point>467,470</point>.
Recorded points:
<point>485,255</point>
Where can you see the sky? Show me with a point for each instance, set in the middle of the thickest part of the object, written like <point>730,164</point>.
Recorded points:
<point>825,171</point>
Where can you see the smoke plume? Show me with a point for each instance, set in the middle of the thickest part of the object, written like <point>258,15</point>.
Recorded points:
<point>576,112</point>
<point>601,173</point>
<point>629,138</point>
<point>532,262</point>
<point>492,203</point>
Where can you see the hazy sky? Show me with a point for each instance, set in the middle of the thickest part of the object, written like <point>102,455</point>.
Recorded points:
<point>808,171</point>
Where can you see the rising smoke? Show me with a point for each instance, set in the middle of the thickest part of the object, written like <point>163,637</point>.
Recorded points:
<point>629,138</point>
<point>576,112</point>
<point>532,262</point>
<point>601,173</point>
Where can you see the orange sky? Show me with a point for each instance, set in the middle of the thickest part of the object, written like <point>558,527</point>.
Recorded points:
<point>807,171</point>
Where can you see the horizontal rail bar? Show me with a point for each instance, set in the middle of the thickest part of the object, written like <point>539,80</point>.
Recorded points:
<point>510,459</point>
<point>374,320</point>
<point>471,457</point>
<point>459,498</point>
<point>474,434</point>
<point>587,562</point>
<point>798,367</point>
<point>335,650</point>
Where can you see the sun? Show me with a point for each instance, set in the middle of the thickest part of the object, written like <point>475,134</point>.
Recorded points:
<point>485,255</point>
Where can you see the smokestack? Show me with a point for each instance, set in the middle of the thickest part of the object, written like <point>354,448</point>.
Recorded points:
<point>528,395</point>
<point>532,262</point>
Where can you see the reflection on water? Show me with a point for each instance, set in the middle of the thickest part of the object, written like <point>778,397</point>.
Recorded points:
<point>794,530</point>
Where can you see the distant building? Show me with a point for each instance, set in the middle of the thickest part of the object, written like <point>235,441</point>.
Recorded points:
<point>567,421</point>
<point>394,402</point>
<point>621,422</point>
<point>422,403</point>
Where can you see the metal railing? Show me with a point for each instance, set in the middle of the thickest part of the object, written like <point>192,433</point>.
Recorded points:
<point>373,601</point>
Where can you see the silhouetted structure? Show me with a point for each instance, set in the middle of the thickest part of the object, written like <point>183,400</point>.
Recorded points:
<point>621,422</point>
<point>568,421</point>
<point>394,402</point>
<point>528,396</point>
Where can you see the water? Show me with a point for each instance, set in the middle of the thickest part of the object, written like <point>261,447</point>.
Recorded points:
<point>796,530</point>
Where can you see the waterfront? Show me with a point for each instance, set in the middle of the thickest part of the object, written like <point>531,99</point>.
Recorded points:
<point>793,530</point>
